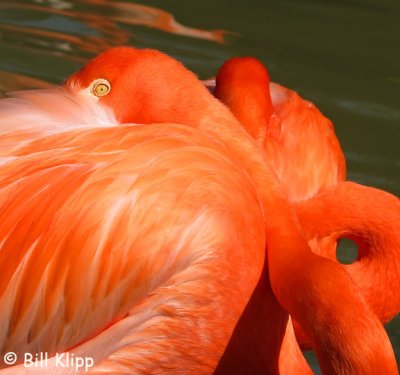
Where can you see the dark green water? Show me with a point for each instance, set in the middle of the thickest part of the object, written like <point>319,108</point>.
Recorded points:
<point>344,55</point>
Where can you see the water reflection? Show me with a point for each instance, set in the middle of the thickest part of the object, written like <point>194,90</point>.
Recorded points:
<point>13,81</point>
<point>80,30</point>
<point>101,23</point>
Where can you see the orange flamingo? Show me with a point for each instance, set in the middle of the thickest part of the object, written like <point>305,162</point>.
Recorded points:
<point>117,259</point>
<point>303,150</point>
<point>300,142</point>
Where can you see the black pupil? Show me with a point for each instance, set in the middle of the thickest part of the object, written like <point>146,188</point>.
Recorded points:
<point>101,89</point>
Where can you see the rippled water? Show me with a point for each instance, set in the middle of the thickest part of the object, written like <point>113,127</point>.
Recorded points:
<point>344,55</point>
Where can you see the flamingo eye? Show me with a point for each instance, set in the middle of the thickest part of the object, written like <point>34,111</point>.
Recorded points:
<point>100,87</point>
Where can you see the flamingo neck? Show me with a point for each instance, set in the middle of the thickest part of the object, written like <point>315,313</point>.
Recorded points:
<point>263,341</point>
<point>316,292</point>
<point>370,218</point>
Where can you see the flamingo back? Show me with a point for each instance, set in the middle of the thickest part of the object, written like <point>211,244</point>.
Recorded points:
<point>117,238</point>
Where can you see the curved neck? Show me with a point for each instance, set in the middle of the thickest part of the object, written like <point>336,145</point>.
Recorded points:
<point>298,277</point>
<point>370,218</point>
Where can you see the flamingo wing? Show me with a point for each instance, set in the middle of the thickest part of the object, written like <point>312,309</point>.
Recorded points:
<point>121,239</point>
<point>309,158</point>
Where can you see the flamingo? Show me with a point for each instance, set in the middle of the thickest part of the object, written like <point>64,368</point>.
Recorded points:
<point>303,150</point>
<point>144,245</point>
<point>300,142</point>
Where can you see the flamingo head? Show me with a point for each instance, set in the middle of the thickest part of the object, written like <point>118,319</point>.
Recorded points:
<point>242,83</point>
<point>142,86</point>
<point>242,71</point>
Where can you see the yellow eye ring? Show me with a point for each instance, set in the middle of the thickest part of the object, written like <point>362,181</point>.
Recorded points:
<point>100,87</point>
